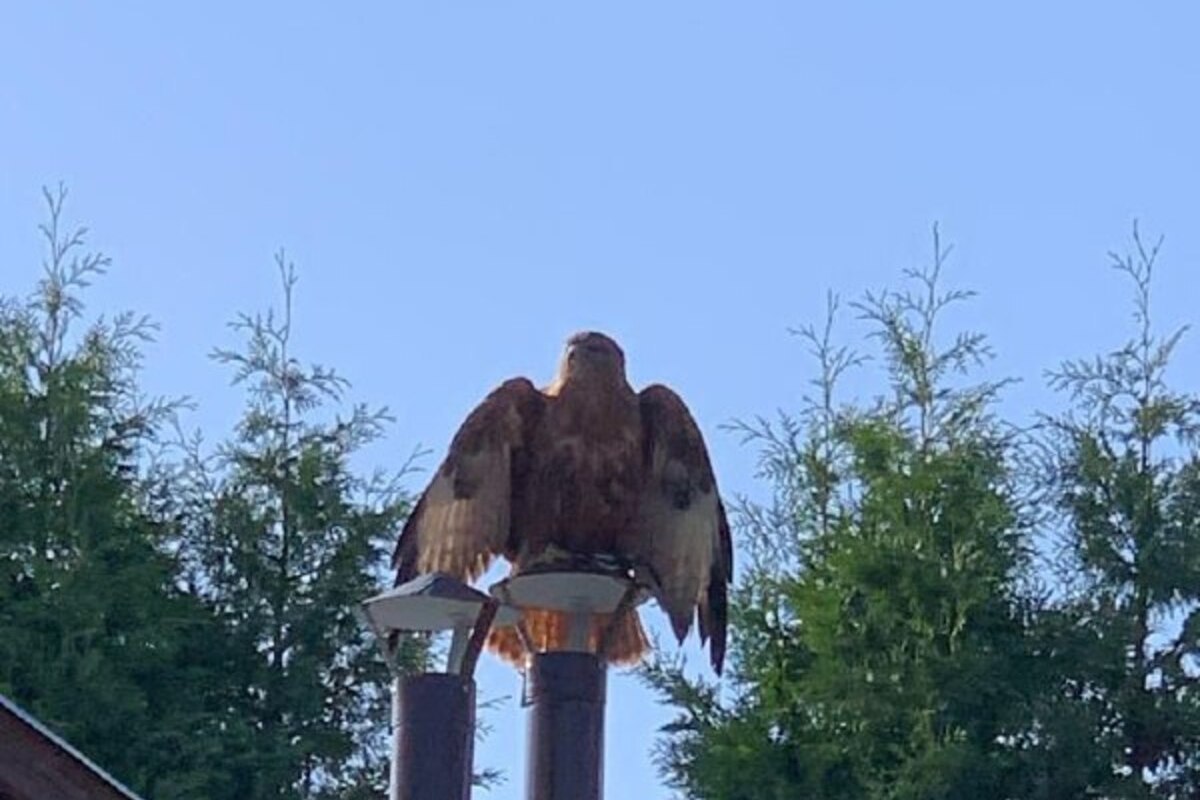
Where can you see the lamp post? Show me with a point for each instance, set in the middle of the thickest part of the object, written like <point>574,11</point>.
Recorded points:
<point>433,713</point>
<point>566,688</point>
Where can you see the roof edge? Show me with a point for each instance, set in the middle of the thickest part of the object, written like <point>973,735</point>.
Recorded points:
<point>62,744</point>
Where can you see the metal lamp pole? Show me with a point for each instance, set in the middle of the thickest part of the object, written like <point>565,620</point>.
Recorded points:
<point>566,689</point>
<point>433,729</point>
<point>566,727</point>
<point>433,713</point>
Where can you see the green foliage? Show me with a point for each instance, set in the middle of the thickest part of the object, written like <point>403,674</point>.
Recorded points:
<point>94,638</point>
<point>893,636</point>
<point>1125,473</point>
<point>881,650</point>
<point>185,617</point>
<point>281,540</point>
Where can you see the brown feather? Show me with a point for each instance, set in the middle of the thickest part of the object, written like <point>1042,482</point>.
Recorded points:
<point>463,520</point>
<point>549,630</point>
<point>683,531</point>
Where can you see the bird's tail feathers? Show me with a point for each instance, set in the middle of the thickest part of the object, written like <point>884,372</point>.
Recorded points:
<point>626,642</point>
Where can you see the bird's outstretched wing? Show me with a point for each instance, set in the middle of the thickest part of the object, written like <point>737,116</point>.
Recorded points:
<point>462,520</point>
<point>683,531</point>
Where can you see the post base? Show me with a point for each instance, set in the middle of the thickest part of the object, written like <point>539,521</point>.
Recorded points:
<point>433,729</point>
<point>566,727</point>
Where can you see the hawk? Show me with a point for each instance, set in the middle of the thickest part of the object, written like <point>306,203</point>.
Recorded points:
<point>590,467</point>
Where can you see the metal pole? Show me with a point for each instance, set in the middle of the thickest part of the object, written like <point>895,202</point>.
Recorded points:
<point>433,730</point>
<point>566,727</point>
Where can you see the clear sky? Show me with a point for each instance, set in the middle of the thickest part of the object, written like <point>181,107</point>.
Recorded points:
<point>461,185</point>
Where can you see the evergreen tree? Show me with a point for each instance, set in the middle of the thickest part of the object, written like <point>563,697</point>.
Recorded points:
<point>282,539</point>
<point>880,647</point>
<point>187,622</point>
<point>94,637</point>
<point>1126,475</point>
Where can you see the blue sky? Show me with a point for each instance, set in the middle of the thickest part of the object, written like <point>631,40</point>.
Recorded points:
<point>461,185</point>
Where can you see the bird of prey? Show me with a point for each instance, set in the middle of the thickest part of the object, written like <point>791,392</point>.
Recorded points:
<point>584,466</point>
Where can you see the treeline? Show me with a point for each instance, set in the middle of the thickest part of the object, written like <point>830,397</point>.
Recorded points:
<point>938,602</point>
<point>184,613</point>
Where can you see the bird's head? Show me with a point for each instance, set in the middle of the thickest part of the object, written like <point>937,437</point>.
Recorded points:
<point>589,356</point>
